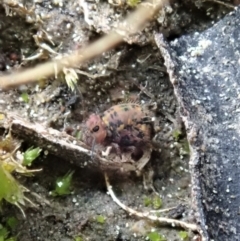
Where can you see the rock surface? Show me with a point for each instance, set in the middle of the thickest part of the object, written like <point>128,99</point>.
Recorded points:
<point>204,70</point>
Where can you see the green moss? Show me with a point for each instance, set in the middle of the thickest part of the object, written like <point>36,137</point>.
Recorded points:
<point>183,235</point>
<point>12,222</point>
<point>133,3</point>
<point>78,238</point>
<point>155,236</point>
<point>10,189</point>
<point>5,234</point>
<point>186,146</point>
<point>157,202</point>
<point>176,134</point>
<point>63,185</point>
<point>30,155</point>
<point>147,201</point>
<point>25,97</point>
<point>100,219</point>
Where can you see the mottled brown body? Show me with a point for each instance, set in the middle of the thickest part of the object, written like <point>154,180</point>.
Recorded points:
<point>125,124</point>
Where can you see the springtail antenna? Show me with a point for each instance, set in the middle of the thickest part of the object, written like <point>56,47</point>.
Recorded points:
<point>93,146</point>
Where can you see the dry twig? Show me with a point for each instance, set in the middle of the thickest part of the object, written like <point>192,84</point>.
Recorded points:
<point>228,5</point>
<point>134,23</point>
<point>148,215</point>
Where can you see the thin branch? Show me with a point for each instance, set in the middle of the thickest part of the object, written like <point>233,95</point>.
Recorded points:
<point>220,2</point>
<point>148,215</point>
<point>134,23</point>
